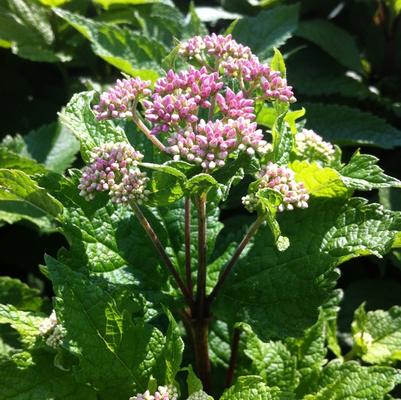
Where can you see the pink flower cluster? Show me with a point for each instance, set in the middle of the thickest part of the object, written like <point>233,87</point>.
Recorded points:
<point>119,100</point>
<point>282,180</point>
<point>212,142</point>
<point>163,393</point>
<point>113,167</point>
<point>219,46</point>
<point>311,146</point>
<point>178,96</point>
<point>235,105</point>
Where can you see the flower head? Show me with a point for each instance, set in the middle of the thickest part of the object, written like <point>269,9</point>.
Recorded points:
<point>162,393</point>
<point>51,329</point>
<point>178,97</point>
<point>311,146</point>
<point>119,101</point>
<point>212,142</point>
<point>282,180</point>
<point>235,105</point>
<point>114,168</point>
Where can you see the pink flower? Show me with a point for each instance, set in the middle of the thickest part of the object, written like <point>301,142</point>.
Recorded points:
<point>113,168</point>
<point>119,100</point>
<point>235,105</point>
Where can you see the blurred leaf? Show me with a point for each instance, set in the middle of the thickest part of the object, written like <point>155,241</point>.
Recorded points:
<point>11,160</point>
<point>19,294</point>
<point>107,3</point>
<point>270,28</point>
<point>349,126</point>
<point>332,39</point>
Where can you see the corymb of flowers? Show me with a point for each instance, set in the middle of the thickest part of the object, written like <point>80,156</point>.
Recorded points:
<point>205,116</point>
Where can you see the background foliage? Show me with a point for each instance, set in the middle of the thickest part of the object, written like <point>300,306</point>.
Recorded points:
<point>344,61</point>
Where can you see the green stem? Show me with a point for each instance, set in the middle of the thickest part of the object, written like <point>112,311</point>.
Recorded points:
<point>228,268</point>
<point>188,244</point>
<point>162,252</point>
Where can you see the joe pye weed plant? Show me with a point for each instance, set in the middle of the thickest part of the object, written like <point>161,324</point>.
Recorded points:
<point>150,267</point>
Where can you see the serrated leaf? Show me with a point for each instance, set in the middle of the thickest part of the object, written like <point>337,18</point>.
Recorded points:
<point>19,294</point>
<point>11,160</point>
<point>283,140</point>
<point>332,39</point>
<point>36,378</point>
<point>101,331</point>
<point>363,173</point>
<point>320,181</point>
<point>349,381</point>
<point>377,335</point>
<point>250,388</point>
<point>281,291</point>
<point>273,362</point>
<point>269,29</point>
<point>26,324</point>
<point>22,199</point>
<point>349,126</point>
<point>193,382</point>
<point>80,119</point>
<point>130,52</point>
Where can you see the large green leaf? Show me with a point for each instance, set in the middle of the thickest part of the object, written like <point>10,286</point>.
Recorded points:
<point>349,381</point>
<point>35,377</point>
<point>377,335</point>
<point>281,291</point>
<point>80,119</point>
<point>363,173</point>
<point>22,199</point>
<point>11,160</point>
<point>102,332</point>
<point>332,39</point>
<point>251,388</point>
<point>269,29</point>
<point>126,50</point>
<point>350,126</point>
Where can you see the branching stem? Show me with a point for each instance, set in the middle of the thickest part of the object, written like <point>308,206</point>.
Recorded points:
<point>137,120</point>
<point>233,358</point>
<point>162,252</point>
<point>228,268</point>
<point>202,249</point>
<point>188,271</point>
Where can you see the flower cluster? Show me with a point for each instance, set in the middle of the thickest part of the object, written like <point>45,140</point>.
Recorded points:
<point>311,146</point>
<point>162,393</point>
<point>51,329</point>
<point>235,105</point>
<point>212,142</point>
<point>113,167</point>
<point>282,180</point>
<point>221,47</point>
<point>178,96</point>
<point>120,100</point>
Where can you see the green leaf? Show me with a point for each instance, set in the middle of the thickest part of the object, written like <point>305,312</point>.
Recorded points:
<point>273,362</point>
<point>363,173</point>
<point>22,199</point>
<point>52,145</point>
<point>26,324</point>
<point>35,377</point>
<point>80,119</point>
<point>269,29</point>
<point>107,3</point>
<point>200,183</point>
<point>377,335</point>
<point>219,342</point>
<point>193,382</point>
<point>282,291</point>
<point>283,140</point>
<point>130,52</point>
<point>320,181</point>
<point>349,381</point>
<point>194,27</point>
<point>250,388</point>
<point>127,351</point>
<point>349,126</point>
<point>200,395</point>
<point>277,63</point>
<point>19,294</point>
<point>332,39</point>
<point>12,160</point>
